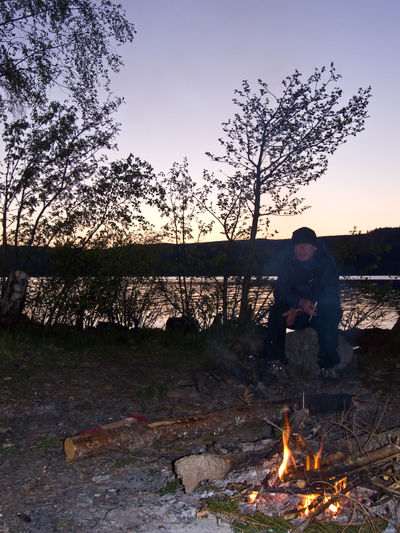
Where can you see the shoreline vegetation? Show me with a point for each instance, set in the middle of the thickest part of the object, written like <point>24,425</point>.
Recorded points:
<point>140,286</point>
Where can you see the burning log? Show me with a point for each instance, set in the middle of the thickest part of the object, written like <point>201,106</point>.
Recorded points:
<point>184,431</point>
<point>295,473</point>
<point>345,467</point>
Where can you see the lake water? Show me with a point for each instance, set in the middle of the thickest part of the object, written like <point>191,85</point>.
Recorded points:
<point>363,305</point>
<point>149,302</point>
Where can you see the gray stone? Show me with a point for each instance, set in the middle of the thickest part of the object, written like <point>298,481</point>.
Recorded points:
<point>301,348</point>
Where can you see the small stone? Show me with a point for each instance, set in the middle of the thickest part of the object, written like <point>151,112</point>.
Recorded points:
<point>99,479</point>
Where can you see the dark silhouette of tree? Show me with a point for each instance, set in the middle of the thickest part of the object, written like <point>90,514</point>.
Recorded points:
<point>56,190</point>
<point>69,44</point>
<point>277,144</point>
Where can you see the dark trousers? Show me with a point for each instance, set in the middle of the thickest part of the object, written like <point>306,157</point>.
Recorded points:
<point>325,324</point>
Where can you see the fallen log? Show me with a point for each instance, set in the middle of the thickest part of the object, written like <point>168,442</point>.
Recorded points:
<point>138,436</point>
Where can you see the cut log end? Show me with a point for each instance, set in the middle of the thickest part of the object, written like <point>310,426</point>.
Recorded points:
<point>69,449</point>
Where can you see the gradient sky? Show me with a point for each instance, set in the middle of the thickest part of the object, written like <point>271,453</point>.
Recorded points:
<point>189,56</point>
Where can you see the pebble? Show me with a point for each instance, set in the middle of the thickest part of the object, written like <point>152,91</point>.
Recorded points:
<point>100,479</point>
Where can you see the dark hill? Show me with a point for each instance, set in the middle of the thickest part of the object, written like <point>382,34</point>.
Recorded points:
<point>375,252</point>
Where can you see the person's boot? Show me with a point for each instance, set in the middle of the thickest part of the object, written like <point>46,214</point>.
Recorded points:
<point>327,361</point>
<point>274,353</point>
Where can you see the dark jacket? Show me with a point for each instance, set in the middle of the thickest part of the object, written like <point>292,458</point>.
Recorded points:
<point>316,279</point>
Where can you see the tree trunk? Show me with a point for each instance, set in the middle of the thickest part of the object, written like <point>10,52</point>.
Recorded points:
<point>245,311</point>
<point>13,300</point>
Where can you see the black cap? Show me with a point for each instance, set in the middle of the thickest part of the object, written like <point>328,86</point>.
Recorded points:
<point>304,235</point>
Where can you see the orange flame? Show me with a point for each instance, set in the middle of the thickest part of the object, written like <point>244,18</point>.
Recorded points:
<point>287,454</point>
<point>307,500</point>
<point>312,463</point>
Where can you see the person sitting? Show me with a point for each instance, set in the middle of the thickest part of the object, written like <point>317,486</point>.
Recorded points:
<point>306,294</point>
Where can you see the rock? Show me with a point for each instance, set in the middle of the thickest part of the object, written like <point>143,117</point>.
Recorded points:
<point>195,468</point>
<point>302,349</point>
<point>183,323</point>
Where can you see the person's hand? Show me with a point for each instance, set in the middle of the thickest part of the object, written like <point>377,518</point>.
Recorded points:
<point>290,315</point>
<point>307,306</point>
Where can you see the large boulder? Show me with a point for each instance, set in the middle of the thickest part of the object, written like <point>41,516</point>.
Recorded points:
<point>302,349</point>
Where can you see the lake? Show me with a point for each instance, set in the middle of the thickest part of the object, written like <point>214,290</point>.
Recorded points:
<point>362,300</point>
<point>148,302</point>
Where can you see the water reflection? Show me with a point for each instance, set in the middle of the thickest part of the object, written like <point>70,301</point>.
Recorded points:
<point>148,302</point>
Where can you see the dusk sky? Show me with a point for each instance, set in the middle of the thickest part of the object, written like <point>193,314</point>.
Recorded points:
<point>189,56</point>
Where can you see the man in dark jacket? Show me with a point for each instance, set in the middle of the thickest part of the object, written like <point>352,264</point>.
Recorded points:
<point>306,295</point>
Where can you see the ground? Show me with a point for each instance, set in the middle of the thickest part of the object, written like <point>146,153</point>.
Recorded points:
<point>55,384</point>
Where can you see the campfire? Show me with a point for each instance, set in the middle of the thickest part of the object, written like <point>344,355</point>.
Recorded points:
<point>342,468</point>
<point>304,485</point>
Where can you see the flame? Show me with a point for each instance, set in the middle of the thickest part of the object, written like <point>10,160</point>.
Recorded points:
<point>287,454</point>
<point>312,462</point>
<point>252,496</point>
<point>334,508</point>
<point>307,500</point>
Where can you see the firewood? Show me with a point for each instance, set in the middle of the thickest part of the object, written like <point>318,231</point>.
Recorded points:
<point>347,466</point>
<point>182,431</point>
<point>299,473</point>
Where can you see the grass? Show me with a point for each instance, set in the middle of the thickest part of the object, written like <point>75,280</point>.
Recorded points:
<point>29,350</point>
<point>126,461</point>
<point>171,487</point>
<point>45,444</point>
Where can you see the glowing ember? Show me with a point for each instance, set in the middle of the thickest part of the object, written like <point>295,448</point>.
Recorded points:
<point>252,496</point>
<point>304,507</point>
<point>334,508</point>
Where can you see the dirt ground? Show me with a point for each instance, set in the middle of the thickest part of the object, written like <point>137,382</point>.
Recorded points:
<point>49,391</point>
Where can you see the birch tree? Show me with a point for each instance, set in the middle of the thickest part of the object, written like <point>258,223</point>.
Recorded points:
<point>277,144</point>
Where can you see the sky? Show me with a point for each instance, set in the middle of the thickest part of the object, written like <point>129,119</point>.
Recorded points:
<point>188,56</point>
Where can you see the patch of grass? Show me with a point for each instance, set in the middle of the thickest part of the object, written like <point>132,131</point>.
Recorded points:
<point>63,522</point>
<point>8,452</point>
<point>126,461</point>
<point>151,392</point>
<point>171,486</point>
<point>45,444</point>
<point>228,510</point>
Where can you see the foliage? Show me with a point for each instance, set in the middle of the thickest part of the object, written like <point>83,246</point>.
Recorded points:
<point>184,219</point>
<point>275,145</point>
<point>91,287</point>
<point>362,254</point>
<point>67,44</point>
<point>46,162</point>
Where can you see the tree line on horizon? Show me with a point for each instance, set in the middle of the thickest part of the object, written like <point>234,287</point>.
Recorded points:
<point>376,252</point>
<point>60,191</point>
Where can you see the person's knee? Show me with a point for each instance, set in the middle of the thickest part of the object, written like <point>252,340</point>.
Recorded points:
<point>275,317</point>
